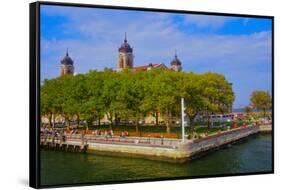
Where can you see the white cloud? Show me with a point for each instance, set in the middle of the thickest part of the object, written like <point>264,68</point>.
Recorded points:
<point>154,38</point>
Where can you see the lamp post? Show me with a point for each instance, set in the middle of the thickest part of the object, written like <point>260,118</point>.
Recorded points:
<point>182,119</point>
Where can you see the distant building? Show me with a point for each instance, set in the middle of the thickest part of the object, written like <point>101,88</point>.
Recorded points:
<point>126,60</point>
<point>150,66</point>
<point>125,56</point>
<point>67,67</point>
<point>176,63</point>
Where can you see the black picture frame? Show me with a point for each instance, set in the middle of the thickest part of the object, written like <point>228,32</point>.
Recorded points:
<point>34,90</point>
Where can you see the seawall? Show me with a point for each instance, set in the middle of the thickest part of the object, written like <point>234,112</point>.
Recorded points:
<point>179,153</point>
<point>266,128</point>
<point>171,150</point>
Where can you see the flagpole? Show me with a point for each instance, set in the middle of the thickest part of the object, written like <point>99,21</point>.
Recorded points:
<point>182,119</point>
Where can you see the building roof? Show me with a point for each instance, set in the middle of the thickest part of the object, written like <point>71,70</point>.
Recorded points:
<point>176,61</point>
<point>67,60</point>
<point>149,66</point>
<point>125,47</point>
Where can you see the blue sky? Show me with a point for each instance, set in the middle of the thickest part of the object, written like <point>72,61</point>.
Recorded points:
<point>238,47</point>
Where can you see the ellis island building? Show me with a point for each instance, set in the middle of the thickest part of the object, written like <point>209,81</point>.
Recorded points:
<point>125,60</point>
<point>67,67</point>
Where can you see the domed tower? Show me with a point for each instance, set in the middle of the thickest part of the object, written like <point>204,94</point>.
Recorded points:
<point>66,67</point>
<point>176,63</point>
<point>125,56</point>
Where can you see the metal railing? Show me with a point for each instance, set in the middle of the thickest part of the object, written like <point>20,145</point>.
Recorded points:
<point>89,138</point>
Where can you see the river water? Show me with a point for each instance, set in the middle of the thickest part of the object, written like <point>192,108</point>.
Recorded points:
<point>253,154</point>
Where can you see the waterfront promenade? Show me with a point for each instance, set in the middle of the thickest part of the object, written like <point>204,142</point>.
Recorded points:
<point>166,149</point>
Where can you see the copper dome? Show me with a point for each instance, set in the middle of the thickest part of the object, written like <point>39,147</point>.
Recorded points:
<point>67,60</point>
<point>176,61</point>
<point>125,47</point>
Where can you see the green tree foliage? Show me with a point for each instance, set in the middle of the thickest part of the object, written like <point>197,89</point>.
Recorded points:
<point>261,100</point>
<point>52,100</point>
<point>191,87</point>
<point>94,109</point>
<point>129,95</point>
<point>217,94</point>
<point>248,109</point>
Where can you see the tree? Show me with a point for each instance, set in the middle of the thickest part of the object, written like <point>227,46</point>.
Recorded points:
<point>131,95</point>
<point>94,107</point>
<point>192,91</point>
<point>76,96</point>
<point>46,104</point>
<point>51,99</point>
<point>165,94</point>
<point>217,92</point>
<point>150,101</point>
<point>261,100</point>
<point>110,90</point>
<point>248,109</point>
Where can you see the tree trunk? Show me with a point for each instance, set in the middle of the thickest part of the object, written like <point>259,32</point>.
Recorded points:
<point>50,120</point>
<point>99,121</point>
<point>156,118</point>
<point>54,120</point>
<point>191,120</point>
<point>68,121</point>
<point>208,116</point>
<point>137,125</point>
<point>78,120</point>
<point>65,120</point>
<point>109,117</point>
<point>89,122</point>
<point>115,119</point>
<point>168,126</point>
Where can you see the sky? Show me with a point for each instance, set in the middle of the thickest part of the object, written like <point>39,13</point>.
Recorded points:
<point>240,48</point>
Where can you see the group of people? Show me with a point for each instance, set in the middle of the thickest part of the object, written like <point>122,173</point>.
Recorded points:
<point>74,131</point>
<point>97,132</point>
<point>124,134</point>
<point>50,131</point>
<point>108,133</point>
<point>55,133</point>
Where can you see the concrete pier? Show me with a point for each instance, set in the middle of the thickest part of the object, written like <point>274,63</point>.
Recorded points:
<point>266,128</point>
<point>179,152</point>
<point>53,143</point>
<point>172,150</point>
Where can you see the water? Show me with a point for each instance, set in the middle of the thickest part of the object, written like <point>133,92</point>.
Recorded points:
<point>251,155</point>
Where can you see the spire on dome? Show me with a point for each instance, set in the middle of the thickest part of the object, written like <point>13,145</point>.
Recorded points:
<point>125,47</point>
<point>67,60</point>
<point>125,40</point>
<point>176,60</point>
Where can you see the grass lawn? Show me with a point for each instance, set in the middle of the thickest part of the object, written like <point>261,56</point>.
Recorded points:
<point>159,131</point>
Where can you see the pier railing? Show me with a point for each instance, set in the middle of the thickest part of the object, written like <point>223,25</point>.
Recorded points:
<point>88,139</point>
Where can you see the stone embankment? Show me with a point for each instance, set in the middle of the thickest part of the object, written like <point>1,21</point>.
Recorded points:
<point>266,128</point>
<point>172,150</point>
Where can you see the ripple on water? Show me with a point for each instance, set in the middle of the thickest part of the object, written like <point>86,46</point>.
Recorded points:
<point>251,155</point>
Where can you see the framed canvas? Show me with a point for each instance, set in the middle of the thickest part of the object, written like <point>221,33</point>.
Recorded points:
<point>123,94</point>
